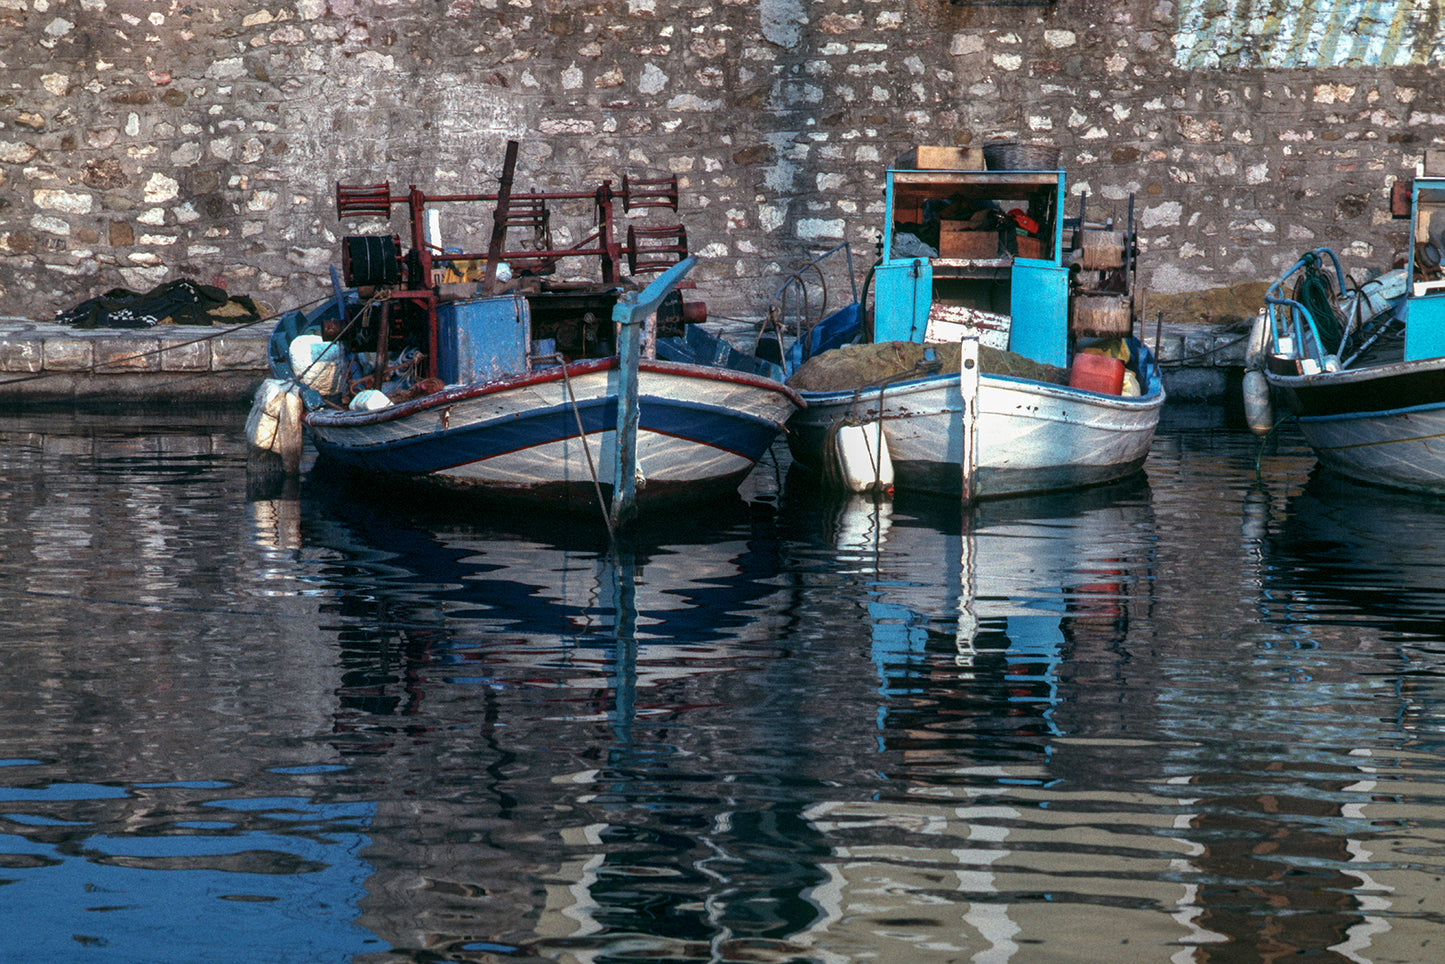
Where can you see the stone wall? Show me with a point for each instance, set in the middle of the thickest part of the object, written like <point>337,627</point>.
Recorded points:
<point>144,141</point>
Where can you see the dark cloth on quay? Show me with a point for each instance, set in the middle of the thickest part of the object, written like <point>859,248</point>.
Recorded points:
<point>181,302</point>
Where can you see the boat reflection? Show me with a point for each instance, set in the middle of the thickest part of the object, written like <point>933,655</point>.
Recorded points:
<point>1348,576</point>
<point>1000,636</point>
<point>1004,592</point>
<point>746,639</point>
<point>837,730</point>
<point>1342,553</point>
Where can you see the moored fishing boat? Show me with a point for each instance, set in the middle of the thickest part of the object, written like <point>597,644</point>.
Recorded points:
<point>997,360</point>
<point>487,373</point>
<point>1362,367</point>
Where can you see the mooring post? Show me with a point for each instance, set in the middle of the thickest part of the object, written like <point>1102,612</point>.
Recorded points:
<point>629,314</point>
<point>968,414</point>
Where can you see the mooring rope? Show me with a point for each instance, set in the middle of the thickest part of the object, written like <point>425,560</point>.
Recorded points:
<point>587,451</point>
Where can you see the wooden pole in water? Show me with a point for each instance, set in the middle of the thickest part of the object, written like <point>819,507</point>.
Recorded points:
<point>629,314</point>
<point>968,414</point>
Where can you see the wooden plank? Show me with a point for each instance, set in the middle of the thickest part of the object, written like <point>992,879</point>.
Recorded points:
<point>925,158</point>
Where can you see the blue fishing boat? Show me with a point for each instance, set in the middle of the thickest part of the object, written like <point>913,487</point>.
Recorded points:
<point>1000,356</point>
<point>488,373</point>
<point>1362,366</point>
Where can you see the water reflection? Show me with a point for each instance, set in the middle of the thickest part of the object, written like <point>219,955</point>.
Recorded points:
<point>995,636</point>
<point>1187,718</point>
<point>1349,555</point>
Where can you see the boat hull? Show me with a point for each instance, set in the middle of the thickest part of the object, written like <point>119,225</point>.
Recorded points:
<point>1381,424</point>
<point>1031,436</point>
<point>550,436</point>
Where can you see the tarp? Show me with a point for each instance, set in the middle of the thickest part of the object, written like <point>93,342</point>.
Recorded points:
<point>181,302</point>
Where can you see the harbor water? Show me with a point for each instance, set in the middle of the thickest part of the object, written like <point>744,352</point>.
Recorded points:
<point>1190,718</point>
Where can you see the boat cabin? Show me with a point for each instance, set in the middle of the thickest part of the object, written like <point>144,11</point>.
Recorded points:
<point>1425,309</point>
<point>975,249</point>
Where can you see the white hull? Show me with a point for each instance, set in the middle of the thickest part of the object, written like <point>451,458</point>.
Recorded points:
<point>1401,449</point>
<point>1343,417</point>
<point>1031,436</point>
<point>700,430</point>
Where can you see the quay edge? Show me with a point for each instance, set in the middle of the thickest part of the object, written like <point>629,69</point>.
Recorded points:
<point>46,363</point>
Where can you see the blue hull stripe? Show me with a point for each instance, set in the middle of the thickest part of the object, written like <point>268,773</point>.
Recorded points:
<point>744,435</point>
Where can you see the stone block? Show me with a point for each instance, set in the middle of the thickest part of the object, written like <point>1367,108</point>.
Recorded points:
<point>68,354</point>
<point>22,355</point>
<point>1170,349</point>
<point>231,353</point>
<point>1198,350</point>
<point>182,352</point>
<point>127,355</point>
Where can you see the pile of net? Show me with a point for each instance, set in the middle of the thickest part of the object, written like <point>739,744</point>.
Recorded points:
<point>855,366</point>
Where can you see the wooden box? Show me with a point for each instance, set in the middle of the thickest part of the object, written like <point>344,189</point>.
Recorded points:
<point>940,159</point>
<point>1030,247</point>
<point>955,241</point>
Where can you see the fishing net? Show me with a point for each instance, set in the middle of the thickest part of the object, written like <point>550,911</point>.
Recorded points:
<point>856,366</point>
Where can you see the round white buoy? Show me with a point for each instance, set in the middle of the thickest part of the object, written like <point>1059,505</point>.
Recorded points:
<point>1258,410</point>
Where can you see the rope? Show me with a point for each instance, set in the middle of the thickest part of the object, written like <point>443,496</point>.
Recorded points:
<point>587,450</point>
<point>1317,294</point>
<point>1259,455</point>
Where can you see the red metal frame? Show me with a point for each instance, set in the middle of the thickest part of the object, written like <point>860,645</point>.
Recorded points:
<point>647,249</point>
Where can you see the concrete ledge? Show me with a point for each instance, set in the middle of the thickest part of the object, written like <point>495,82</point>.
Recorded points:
<point>48,362</point>
<point>42,362</point>
<point>1200,364</point>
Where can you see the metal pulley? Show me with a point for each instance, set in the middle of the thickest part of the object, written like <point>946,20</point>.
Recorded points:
<point>371,261</point>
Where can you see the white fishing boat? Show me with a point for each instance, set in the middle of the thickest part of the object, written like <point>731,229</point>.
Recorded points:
<point>1362,367</point>
<point>431,364</point>
<point>1000,357</point>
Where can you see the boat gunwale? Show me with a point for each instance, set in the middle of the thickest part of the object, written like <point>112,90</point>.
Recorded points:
<point>455,394</point>
<point>1155,395</point>
<point>1363,373</point>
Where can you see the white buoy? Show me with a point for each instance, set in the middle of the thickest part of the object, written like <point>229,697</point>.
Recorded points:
<point>1258,341</point>
<point>288,433</point>
<point>261,424</point>
<point>1258,410</point>
<point>863,459</point>
<point>316,363</point>
<point>369,400</point>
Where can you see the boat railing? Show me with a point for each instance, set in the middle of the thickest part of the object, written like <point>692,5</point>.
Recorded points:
<point>794,318</point>
<point>1292,330</point>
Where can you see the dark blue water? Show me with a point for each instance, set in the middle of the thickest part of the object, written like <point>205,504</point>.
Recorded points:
<point>1194,717</point>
